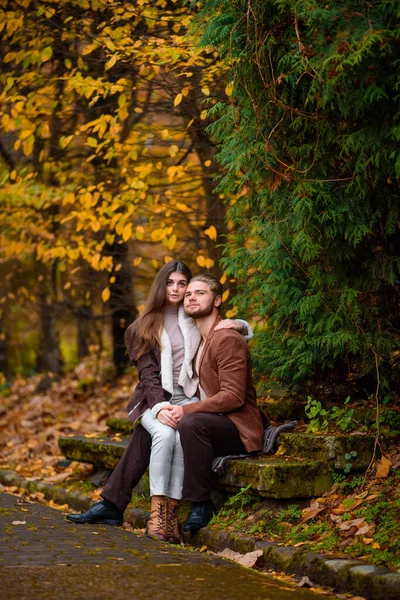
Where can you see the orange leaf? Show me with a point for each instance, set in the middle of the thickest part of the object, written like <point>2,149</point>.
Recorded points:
<point>383,467</point>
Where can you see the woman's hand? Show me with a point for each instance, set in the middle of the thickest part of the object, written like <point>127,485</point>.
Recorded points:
<point>168,416</point>
<point>229,324</point>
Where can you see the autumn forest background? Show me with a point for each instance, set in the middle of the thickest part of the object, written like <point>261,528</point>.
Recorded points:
<point>258,140</point>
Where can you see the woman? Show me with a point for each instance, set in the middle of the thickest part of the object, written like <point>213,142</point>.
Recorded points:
<point>162,344</point>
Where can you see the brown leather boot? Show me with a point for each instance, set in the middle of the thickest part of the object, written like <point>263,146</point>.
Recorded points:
<point>173,535</point>
<point>157,524</point>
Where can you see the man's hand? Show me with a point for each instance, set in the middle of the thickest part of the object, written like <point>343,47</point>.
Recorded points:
<point>229,324</point>
<point>165,417</point>
<point>177,413</point>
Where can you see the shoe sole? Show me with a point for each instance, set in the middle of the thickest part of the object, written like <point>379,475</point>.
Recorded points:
<point>100,522</point>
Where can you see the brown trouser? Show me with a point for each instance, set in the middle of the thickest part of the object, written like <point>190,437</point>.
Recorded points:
<point>203,437</point>
<point>130,469</point>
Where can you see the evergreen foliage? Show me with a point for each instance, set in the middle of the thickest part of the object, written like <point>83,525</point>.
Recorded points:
<point>310,148</point>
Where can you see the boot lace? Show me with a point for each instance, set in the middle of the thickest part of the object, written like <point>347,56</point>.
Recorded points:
<point>172,520</point>
<point>160,516</point>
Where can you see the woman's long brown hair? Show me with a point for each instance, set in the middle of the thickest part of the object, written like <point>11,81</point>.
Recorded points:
<point>144,333</point>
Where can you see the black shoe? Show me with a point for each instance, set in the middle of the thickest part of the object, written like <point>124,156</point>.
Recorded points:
<point>200,515</point>
<point>101,512</point>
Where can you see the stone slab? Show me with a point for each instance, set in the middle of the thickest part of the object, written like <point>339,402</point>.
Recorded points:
<point>331,449</point>
<point>269,476</point>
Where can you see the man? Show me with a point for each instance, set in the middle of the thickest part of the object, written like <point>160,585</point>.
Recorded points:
<point>226,420</point>
<point>230,390</point>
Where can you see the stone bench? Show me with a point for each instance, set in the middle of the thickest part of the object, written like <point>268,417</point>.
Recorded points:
<point>303,468</point>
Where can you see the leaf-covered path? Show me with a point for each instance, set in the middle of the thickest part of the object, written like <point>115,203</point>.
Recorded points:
<point>43,556</point>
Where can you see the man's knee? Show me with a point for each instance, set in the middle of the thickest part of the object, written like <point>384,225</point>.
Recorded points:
<point>189,424</point>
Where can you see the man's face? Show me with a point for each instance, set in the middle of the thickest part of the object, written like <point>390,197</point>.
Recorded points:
<point>199,300</point>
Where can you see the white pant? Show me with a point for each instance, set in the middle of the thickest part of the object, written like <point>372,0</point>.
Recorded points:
<point>166,458</point>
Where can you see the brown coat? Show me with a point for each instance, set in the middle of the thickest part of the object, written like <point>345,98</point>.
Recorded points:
<point>148,391</point>
<point>226,378</point>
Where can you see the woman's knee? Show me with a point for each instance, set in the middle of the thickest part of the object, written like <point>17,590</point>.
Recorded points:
<point>164,436</point>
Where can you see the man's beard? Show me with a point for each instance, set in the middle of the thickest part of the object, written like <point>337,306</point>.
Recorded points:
<point>200,312</point>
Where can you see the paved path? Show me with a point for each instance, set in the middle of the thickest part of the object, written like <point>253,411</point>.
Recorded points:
<point>42,556</point>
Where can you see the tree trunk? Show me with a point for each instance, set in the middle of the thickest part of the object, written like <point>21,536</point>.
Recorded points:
<point>84,315</point>
<point>48,354</point>
<point>4,365</point>
<point>121,303</point>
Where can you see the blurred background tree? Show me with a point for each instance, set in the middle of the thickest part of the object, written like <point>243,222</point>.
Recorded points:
<point>106,170</point>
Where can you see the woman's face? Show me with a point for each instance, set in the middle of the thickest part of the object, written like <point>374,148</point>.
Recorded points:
<point>176,288</point>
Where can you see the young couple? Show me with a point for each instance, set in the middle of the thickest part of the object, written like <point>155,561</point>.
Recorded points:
<point>195,400</point>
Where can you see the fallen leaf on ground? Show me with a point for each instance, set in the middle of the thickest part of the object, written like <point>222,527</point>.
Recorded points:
<point>368,527</point>
<point>57,478</point>
<point>228,553</point>
<point>18,523</point>
<point>305,582</point>
<point>249,559</point>
<point>383,467</point>
<point>281,450</point>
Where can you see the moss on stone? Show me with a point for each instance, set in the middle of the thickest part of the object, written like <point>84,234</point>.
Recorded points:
<point>330,448</point>
<point>102,451</point>
<point>274,477</point>
<point>120,426</point>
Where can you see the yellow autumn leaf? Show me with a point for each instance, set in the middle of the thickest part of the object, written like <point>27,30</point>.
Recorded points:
<point>173,150</point>
<point>229,89</point>
<point>95,225</point>
<point>25,134</point>
<point>231,314</point>
<point>137,261</point>
<point>105,294</point>
<point>164,134</point>
<point>172,242</point>
<point>110,63</point>
<point>69,198</point>
<point>205,90</point>
<point>167,258</point>
<point>211,232</point>
<point>207,163</point>
<point>223,279</point>
<point>95,259</point>
<point>209,263</point>
<point>178,99</point>
<point>64,141</point>
<point>154,262</point>
<point>127,232</point>
<point>383,467</point>
<point>158,234</point>
<point>67,285</point>
<point>203,115</point>
<point>225,295</point>
<point>139,232</point>
<point>182,207</point>
<point>201,261</point>
<point>27,148</point>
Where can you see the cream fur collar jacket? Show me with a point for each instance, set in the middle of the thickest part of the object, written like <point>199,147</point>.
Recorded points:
<point>191,341</point>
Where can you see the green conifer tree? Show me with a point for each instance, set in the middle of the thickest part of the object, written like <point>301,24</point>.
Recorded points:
<point>310,147</point>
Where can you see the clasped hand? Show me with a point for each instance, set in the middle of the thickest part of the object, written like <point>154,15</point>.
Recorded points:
<point>170,415</point>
